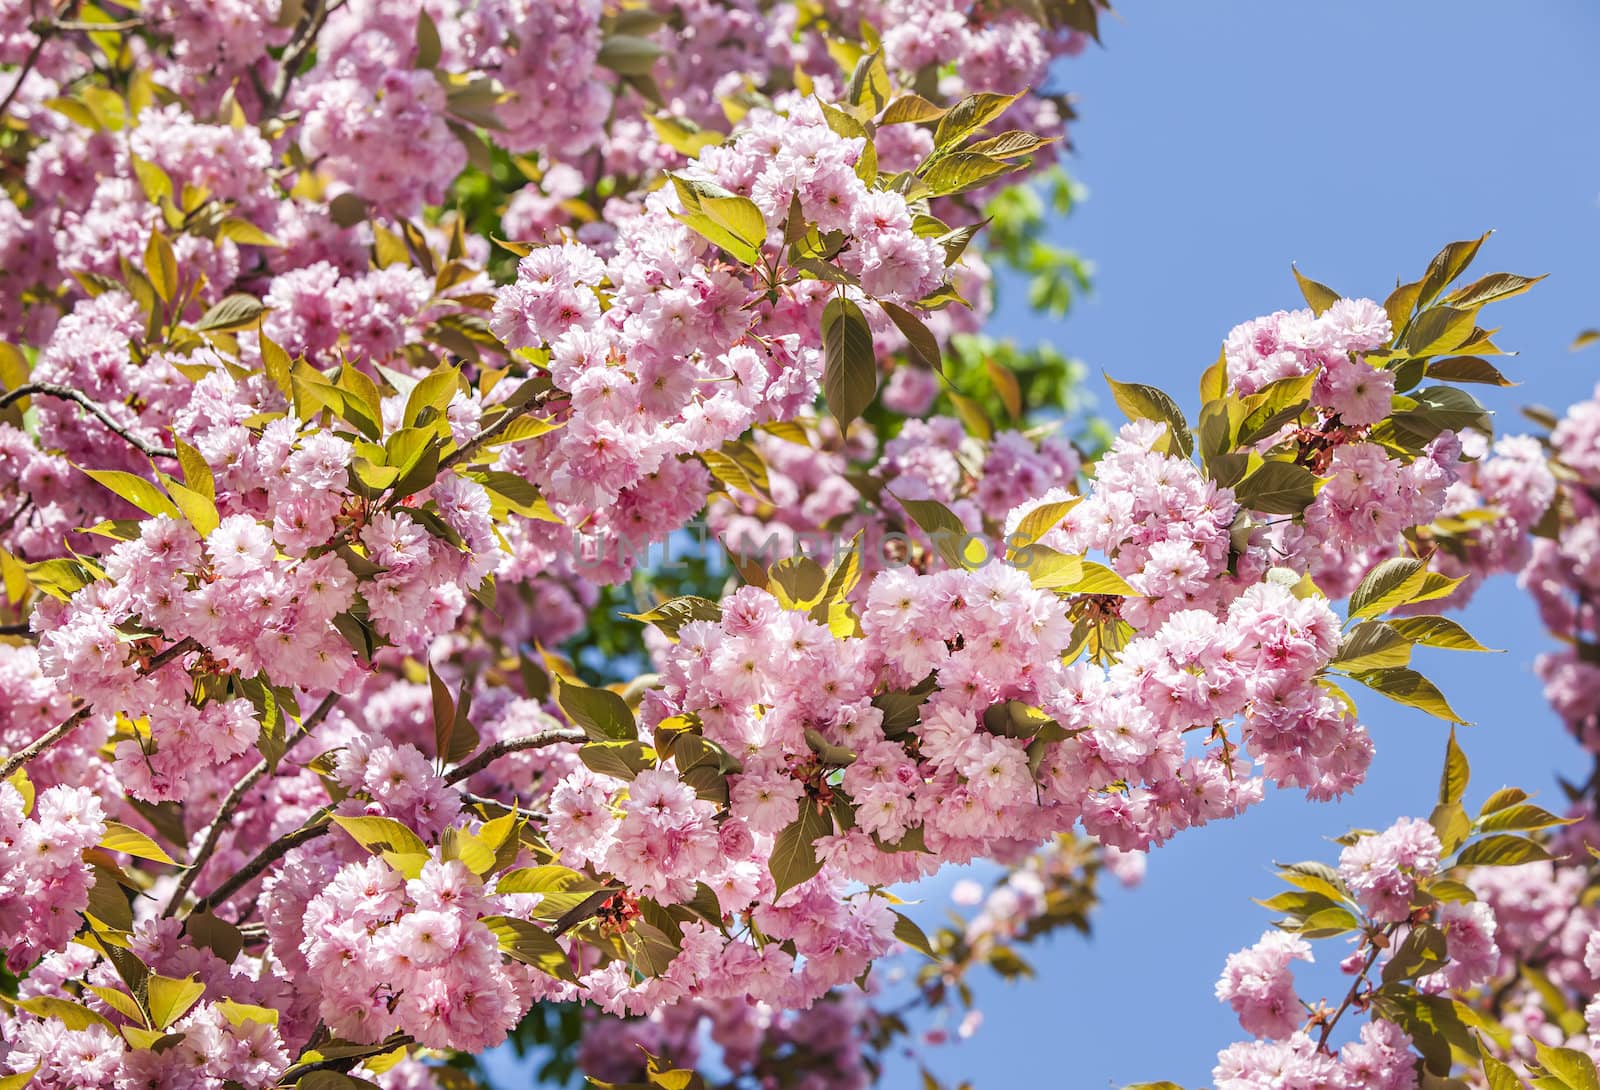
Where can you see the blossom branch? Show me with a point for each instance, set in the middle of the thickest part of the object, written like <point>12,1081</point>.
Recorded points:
<point>67,393</point>
<point>44,742</point>
<point>510,746</point>
<point>466,450</point>
<point>304,40</point>
<point>67,726</point>
<point>1350,996</point>
<point>44,32</point>
<point>264,859</point>
<point>213,833</point>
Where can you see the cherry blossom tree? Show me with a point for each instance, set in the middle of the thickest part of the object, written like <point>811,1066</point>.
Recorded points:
<point>512,530</point>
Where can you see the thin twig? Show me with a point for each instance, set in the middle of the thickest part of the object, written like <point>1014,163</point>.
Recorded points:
<point>264,859</point>
<point>22,509</point>
<point>1350,996</point>
<point>44,742</point>
<point>476,443</point>
<point>19,629</point>
<point>182,647</point>
<point>67,393</point>
<point>66,26</point>
<point>304,40</point>
<point>67,726</point>
<point>509,807</point>
<point>512,745</point>
<point>23,73</point>
<point>213,833</point>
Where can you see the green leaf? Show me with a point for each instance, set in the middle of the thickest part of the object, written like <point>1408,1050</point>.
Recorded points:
<point>1039,520</point>
<point>170,999</point>
<point>381,834</point>
<point>628,54</point>
<point>196,473</point>
<point>1009,145</point>
<point>1436,631</point>
<point>1099,579</point>
<point>215,934</point>
<point>959,547</point>
<point>911,109</point>
<point>435,391</point>
<point>1572,1067</point>
<point>1502,850</point>
<point>1467,369</point>
<point>1506,796</point>
<point>740,467</point>
<point>1140,402</point>
<point>532,945</point>
<point>1438,330</point>
<point>1524,817</point>
<point>161,264</point>
<point>1048,569</point>
<point>428,45</point>
<point>74,1015</point>
<point>1453,780</point>
<point>240,1014</point>
<point>622,760</point>
<point>963,171</point>
<point>1277,488</point>
<point>245,233</point>
<point>869,83</point>
<point>1422,952</point>
<point>670,616</point>
<point>741,251</point>
<point>1451,824</point>
<point>546,879</point>
<point>198,509</point>
<point>969,115</point>
<point>137,491</point>
<point>907,931</point>
<point>1499,1075</point>
<point>850,369</point>
<point>920,340</point>
<point>278,367</point>
<point>603,714</point>
<point>1319,297</point>
<point>1405,686</point>
<point>232,312</point>
<point>739,216</point>
<point>1391,583</point>
<point>794,856</point>
<point>1446,265</point>
<point>130,841</point>
<point>1372,645</point>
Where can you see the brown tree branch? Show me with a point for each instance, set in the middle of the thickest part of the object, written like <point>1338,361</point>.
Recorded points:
<point>55,734</point>
<point>512,745</point>
<point>231,803</point>
<point>44,742</point>
<point>264,859</point>
<point>67,393</point>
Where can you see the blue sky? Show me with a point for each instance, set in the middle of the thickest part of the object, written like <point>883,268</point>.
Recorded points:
<point>1220,142</point>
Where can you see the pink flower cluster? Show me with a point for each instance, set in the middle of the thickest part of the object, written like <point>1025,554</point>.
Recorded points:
<point>1382,869</point>
<point>44,880</point>
<point>1380,1060</point>
<point>1287,344</point>
<point>411,956</point>
<point>1258,984</point>
<point>653,346</point>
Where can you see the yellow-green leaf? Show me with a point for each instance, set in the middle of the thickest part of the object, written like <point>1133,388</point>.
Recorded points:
<point>136,490</point>
<point>170,999</point>
<point>129,841</point>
